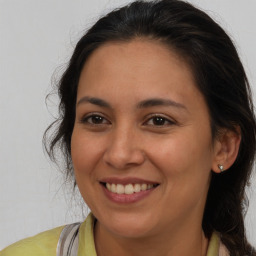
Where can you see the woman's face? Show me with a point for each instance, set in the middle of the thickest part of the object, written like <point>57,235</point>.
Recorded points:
<point>142,147</point>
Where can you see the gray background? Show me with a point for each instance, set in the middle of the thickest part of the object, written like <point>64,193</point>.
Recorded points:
<point>36,37</point>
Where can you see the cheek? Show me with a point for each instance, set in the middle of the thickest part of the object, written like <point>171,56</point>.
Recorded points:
<point>185,164</point>
<point>185,161</point>
<point>181,151</point>
<point>84,152</point>
<point>85,157</point>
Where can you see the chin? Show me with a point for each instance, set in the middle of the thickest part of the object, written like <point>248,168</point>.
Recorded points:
<point>129,231</point>
<point>128,226</point>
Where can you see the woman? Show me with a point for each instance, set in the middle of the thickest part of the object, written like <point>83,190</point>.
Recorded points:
<point>157,127</point>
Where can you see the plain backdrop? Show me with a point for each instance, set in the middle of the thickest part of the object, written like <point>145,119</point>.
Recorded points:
<point>36,37</point>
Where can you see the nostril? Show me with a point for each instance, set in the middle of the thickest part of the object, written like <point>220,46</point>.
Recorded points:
<point>120,158</point>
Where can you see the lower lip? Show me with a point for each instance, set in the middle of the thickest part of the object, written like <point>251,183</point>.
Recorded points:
<point>126,199</point>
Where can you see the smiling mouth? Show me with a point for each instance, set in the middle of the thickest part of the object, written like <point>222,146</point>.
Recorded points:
<point>128,189</point>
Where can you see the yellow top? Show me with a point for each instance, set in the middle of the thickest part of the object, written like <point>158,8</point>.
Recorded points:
<point>45,244</point>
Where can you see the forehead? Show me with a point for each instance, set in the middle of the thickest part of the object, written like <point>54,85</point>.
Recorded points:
<point>135,52</point>
<point>140,61</point>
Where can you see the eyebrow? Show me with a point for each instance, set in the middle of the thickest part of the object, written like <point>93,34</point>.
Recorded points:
<point>160,102</point>
<point>143,104</point>
<point>94,101</point>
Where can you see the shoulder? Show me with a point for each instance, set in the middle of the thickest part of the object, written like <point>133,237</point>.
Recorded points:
<point>43,244</point>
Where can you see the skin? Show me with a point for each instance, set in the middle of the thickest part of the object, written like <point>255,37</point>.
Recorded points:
<point>127,141</point>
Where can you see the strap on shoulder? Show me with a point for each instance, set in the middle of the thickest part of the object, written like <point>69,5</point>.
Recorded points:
<point>68,241</point>
<point>223,251</point>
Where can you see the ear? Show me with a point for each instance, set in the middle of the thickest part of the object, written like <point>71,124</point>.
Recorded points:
<point>226,147</point>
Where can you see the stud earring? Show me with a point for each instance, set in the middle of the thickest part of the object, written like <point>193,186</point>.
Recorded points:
<point>221,167</point>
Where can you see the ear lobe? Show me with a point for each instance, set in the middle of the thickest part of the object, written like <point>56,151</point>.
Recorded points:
<point>226,149</point>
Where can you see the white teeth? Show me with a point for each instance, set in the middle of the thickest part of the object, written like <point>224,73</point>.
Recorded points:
<point>150,186</point>
<point>144,187</point>
<point>136,188</point>
<point>108,186</point>
<point>113,188</point>
<point>120,189</point>
<point>128,189</point>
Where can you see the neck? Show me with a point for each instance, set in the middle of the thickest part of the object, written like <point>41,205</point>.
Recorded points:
<point>179,242</point>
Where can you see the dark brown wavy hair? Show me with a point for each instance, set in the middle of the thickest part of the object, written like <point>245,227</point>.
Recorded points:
<point>220,77</point>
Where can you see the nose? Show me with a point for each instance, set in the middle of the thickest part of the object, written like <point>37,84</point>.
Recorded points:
<point>124,149</point>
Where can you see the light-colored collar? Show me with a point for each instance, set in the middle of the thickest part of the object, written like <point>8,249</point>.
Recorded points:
<point>86,237</point>
<point>216,247</point>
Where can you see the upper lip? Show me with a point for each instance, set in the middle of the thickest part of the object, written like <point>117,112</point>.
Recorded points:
<point>127,180</point>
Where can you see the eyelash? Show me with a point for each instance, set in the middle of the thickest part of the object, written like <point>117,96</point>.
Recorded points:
<point>151,120</point>
<point>166,121</point>
<point>85,120</point>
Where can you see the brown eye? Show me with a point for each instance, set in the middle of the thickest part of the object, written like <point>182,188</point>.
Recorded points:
<point>159,121</point>
<point>95,120</point>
